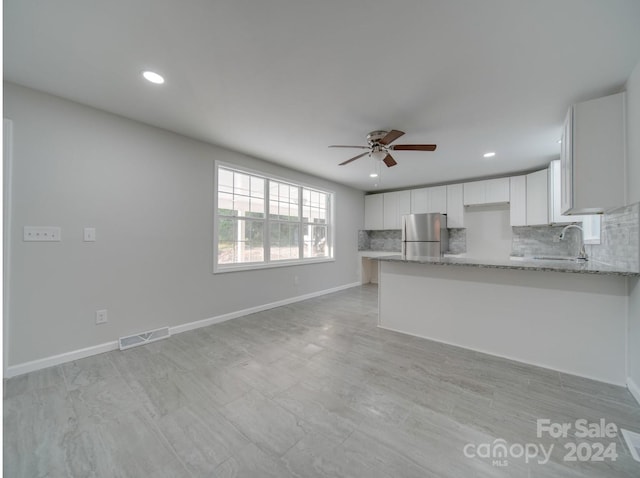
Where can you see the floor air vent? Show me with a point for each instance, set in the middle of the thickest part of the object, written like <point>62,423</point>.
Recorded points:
<point>143,338</point>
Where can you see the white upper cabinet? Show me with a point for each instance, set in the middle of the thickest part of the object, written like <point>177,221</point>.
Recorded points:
<point>497,190</point>
<point>455,205</point>
<point>555,192</point>
<point>538,198</point>
<point>593,156</point>
<point>396,205</point>
<point>529,199</point>
<point>419,200</point>
<point>473,193</point>
<point>490,191</point>
<point>518,195</point>
<point>426,200</point>
<point>373,212</point>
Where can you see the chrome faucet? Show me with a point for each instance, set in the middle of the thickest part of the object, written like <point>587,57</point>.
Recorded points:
<point>582,255</point>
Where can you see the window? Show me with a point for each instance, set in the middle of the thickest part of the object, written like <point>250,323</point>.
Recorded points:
<point>263,221</point>
<point>591,229</point>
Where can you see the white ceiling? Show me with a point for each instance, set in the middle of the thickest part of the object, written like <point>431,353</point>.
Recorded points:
<point>283,79</point>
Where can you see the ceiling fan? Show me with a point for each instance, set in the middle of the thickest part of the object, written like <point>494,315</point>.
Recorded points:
<point>380,145</point>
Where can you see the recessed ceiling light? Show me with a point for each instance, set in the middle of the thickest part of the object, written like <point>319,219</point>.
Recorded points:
<point>559,141</point>
<point>489,155</point>
<point>373,175</point>
<point>153,77</point>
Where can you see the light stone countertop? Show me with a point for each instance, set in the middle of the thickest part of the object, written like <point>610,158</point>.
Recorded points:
<point>589,267</point>
<point>376,253</point>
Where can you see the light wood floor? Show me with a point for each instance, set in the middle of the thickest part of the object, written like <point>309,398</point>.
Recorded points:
<point>313,389</point>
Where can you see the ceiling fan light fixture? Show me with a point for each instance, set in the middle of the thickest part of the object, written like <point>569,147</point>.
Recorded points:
<point>378,155</point>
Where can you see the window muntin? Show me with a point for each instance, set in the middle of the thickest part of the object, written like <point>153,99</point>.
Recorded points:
<point>262,221</point>
<point>284,201</point>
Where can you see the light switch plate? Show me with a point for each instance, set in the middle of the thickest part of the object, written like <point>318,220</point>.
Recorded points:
<point>89,234</point>
<point>41,234</point>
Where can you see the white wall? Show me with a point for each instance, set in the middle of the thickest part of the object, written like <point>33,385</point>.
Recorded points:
<point>149,194</point>
<point>488,232</point>
<point>633,191</point>
<point>573,323</point>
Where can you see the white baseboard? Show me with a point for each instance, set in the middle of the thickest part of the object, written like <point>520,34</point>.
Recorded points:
<point>634,389</point>
<point>259,308</point>
<point>34,365</point>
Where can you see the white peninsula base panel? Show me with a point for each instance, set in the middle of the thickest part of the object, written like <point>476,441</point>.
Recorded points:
<point>574,323</point>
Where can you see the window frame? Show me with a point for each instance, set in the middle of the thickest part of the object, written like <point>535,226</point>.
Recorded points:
<point>268,263</point>
<point>591,234</point>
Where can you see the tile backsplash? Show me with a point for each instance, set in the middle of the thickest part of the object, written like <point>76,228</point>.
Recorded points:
<point>620,239</point>
<point>389,240</point>
<point>531,241</point>
<point>364,243</point>
<point>457,241</point>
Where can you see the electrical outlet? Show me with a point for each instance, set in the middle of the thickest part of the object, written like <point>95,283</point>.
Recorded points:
<point>101,316</point>
<point>296,280</point>
<point>41,234</point>
<point>89,234</point>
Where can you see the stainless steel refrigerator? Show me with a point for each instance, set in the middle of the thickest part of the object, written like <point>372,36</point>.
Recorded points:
<point>424,235</point>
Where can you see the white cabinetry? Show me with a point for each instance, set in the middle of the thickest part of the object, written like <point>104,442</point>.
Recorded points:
<point>473,193</point>
<point>555,192</point>
<point>396,205</point>
<point>373,212</point>
<point>537,198</point>
<point>385,211</point>
<point>529,199</point>
<point>593,156</point>
<point>425,200</point>
<point>455,205</point>
<point>518,195</point>
<point>497,190</point>
<point>490,191</point>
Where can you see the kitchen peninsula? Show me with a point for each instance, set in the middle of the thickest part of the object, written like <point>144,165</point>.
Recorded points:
<point>562,315</point>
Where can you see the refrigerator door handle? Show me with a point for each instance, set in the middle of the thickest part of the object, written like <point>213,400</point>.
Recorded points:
<point>404,227</point>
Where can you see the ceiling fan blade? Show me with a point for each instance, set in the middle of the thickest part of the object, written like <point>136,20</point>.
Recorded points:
<point>391,136</point>
<point>389,161</point>
<point>343,146</point>
<point>413,147</point>
<point>353,159</point>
